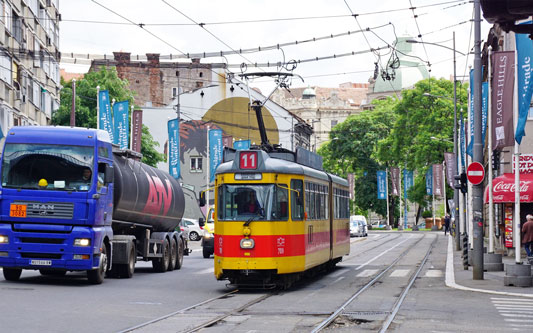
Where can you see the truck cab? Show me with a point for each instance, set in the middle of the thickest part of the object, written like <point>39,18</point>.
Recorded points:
<point>56,195</point>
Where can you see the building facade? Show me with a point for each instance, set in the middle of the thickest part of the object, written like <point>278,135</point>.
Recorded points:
<point>29,62</point>
<point>323,108</point>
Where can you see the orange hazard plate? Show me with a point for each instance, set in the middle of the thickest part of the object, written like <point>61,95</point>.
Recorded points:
<point>17,210</point>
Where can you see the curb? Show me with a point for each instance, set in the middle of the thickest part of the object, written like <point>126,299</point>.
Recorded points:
<point>450,278</point>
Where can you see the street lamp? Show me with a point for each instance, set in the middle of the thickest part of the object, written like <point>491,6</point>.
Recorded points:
<point>455,150</point>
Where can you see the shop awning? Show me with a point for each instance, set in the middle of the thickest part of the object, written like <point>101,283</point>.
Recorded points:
<point>504,188</point>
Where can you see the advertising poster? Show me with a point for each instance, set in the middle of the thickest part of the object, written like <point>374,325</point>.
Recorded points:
<point>508,225</point>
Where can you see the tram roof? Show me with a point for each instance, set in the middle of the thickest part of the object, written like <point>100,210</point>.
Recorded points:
<point>274,163</point>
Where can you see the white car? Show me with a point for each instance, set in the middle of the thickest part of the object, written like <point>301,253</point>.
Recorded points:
<point>193,229</point>
<point>358,226</point>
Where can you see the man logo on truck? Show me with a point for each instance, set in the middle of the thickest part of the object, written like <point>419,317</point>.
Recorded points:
<point>158,196</point>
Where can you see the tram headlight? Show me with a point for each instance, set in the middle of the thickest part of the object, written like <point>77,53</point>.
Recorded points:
<point>247,243</point>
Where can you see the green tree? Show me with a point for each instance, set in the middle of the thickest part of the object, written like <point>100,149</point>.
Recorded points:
<point>85,102</point>
<point>423,130</point>
<point>353,148</point>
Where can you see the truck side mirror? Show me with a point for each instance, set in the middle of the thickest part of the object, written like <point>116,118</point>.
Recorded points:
<point>202,198</point>
<point>109,174</point>
<point>201,222</point>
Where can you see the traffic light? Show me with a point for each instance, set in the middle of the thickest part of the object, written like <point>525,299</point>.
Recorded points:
<point>496,160</point>
<point>462,185</point>
<point>506,12</point>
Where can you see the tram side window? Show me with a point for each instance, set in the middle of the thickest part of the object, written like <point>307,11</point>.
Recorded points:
<point>281,203</point>
<point>297,207</point>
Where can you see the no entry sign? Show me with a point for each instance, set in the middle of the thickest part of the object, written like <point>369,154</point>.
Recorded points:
<point>475,173</point>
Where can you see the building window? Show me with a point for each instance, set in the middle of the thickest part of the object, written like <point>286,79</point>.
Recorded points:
<point>333,123</point>
<point>196,164</point>
<point>5,68</point>
<point>174,91</point>
<point>530,111</point>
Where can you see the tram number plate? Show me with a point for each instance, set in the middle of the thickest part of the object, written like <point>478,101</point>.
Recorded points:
<point>248,160</point>
<point>16,210</point>
<point>36,262</point>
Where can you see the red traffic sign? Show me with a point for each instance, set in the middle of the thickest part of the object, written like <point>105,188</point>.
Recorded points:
<point>475,173</point>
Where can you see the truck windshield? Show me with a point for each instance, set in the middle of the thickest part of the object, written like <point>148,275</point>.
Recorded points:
<point>50,167</point>
<point>267,202</point>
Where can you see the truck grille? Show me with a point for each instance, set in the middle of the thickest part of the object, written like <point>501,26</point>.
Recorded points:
<point>36,240</point>
<point>50,210</point>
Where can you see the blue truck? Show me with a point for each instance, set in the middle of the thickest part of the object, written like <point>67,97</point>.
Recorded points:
<point>72,201</point>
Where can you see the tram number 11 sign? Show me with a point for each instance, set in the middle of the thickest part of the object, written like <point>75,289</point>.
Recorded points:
<point>248,160</point>
<point>475,173</point>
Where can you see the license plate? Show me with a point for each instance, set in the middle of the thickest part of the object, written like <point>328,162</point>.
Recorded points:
<point>17,210</point>
<point>41,262</point>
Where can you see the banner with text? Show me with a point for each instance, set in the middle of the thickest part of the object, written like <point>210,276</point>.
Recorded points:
<point>449,160</point>
<point>429,181</point>
<point>526,163</point>
<point>395,181</point>
<point>502,99</point>
<point>437,180</point>
<point>215,151</point>
<point>173,148</point>
<point>408,181</point>
<point>524,49</point>
<point>382,185</point>
<point>484,113</point>
<point>136,130</point>
<point>105,121</point>
<point>121,120</point>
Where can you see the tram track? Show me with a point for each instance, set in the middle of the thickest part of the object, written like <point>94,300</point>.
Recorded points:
<point>392,313</point>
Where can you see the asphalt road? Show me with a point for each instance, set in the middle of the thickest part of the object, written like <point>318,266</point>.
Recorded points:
<point>70,304</point>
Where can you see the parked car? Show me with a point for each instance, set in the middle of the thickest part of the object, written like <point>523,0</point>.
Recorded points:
<point>358,226</point>
<point>193,229</point>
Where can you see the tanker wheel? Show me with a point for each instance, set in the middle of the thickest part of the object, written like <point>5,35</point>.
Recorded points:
<point>52,272</point>
<point>179,257</point>
<point>161,264</point>
<point>12,274</point>
<point>96,276</point>
<point>172,261</point>
<point>127,270</point>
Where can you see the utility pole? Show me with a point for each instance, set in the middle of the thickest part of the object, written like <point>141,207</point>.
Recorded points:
<point>455,153</point>
<point>477,195</point>
<point>73,109</point>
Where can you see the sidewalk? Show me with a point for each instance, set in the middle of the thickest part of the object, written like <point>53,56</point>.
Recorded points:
<point>458,278</point>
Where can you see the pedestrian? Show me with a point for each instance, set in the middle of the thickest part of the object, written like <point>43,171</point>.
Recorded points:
<point>446,224</point>
<point>527,235</point>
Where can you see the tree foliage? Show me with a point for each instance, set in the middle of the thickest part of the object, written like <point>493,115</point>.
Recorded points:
<point>85,105</point>
<point>353,148</point>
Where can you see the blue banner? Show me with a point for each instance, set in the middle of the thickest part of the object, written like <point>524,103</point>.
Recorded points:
<point>462,140</point>
<point>242,144</point>
<point>215,151</point>
<point>407,182</point>
<point>105,121</point>
<point>382,185</point>
<point>524,49</point>
<point>173,148</point>
<point>429,181</point>
<point>121,121</point>
<point>484,115</point>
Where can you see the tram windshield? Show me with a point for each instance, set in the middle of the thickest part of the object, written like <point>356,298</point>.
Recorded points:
<point>268,202</point>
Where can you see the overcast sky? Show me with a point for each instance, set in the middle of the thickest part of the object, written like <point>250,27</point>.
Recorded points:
<point>169,29</point>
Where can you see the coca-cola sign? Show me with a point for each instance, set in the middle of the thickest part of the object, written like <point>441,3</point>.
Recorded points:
<point>503,188</point>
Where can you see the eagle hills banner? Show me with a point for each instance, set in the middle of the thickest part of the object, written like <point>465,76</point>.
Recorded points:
<point>105,121</point>
<point>502,130</point>
<point>395,181</point>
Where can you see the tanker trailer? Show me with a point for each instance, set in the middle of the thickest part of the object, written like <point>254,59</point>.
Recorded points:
<point>71,201</point>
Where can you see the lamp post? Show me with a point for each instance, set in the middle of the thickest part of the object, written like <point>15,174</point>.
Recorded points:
<point>455,150</point>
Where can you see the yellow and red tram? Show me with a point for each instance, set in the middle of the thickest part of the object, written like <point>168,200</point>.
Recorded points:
<point>278,215</point>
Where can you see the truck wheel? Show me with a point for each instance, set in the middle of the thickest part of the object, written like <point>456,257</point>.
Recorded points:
<point>161,264</point>
<point>96,276</point>
<point>194,236</point>
<point>52,272</point>
<point>172,261</point>
<point>206,253</point>
<point>179,257</point>
<point>126,270</point>
<point>12,274</point>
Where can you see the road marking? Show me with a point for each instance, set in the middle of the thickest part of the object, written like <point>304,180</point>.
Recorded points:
<point>519,320</point>
<point>367,273</point>
<point>434,273</point>
<point>518,315</point>
<point>383,253</point>
<point>400,273</point>
<point>340,278</point>
<point>510,299</point>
